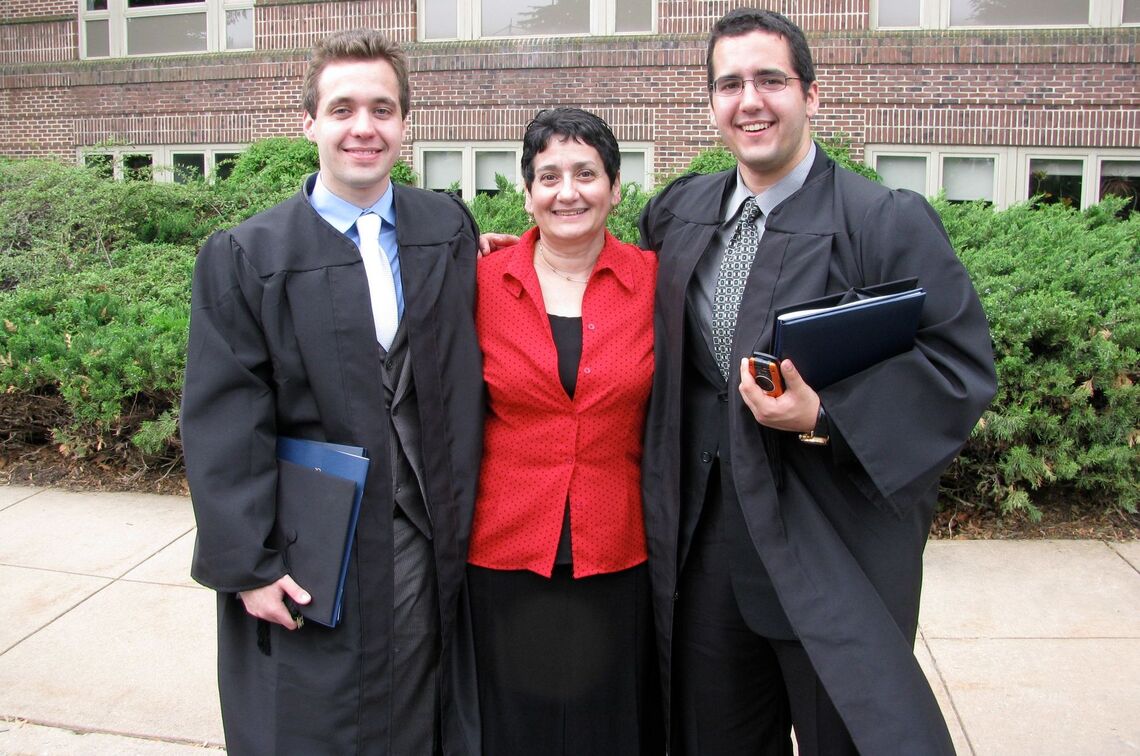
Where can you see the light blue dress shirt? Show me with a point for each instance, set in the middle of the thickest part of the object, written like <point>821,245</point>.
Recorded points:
<point>342,216</point>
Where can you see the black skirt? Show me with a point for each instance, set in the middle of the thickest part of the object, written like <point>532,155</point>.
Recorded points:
<point>566,666</point>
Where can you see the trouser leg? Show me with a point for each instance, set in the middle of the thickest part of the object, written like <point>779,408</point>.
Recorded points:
<point>819,729</point>
<point>416,644</point>
<point>729,693</point>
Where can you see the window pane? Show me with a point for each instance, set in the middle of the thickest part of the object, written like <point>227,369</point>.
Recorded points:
<point>239,29</point>
<point>1131,12</point>
<point>137,167</point>
<point>487,164</point>
<point>899,13</point>
<point>98,41</point>
<point>96,5</point>
<point>633,168</point>
<point>1121,178</point>
<point>634,16</point>
<point>102,164</point>
<point>224,164</point>
<point>188,166</point>
<point>968,179</point>
<point>1056,181</point>
<point>442,170</point>
<point>158,3</point>
<point>151,35</point>
<point>441,19</point>
<point>511,18</point>
<point>1018,12</point>
<point>903,171</point>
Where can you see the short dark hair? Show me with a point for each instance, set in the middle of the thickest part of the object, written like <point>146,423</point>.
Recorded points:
<point>571,123</point>
<point>355,45</point>
<point>743,21</point>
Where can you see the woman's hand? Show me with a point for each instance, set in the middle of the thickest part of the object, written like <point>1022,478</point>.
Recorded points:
<point>797,409</point>
<point>489,243</point>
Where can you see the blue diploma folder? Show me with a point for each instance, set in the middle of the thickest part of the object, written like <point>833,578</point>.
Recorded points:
<point>829,339</point>
<point>319,489</point>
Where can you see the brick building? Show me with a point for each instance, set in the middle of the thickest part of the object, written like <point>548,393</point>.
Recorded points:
<point>991,99</point>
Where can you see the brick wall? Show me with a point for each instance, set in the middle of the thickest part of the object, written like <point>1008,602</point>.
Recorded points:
<point>1019,87</point>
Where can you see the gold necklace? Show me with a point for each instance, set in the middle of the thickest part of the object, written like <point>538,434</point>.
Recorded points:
<point>542,255</point>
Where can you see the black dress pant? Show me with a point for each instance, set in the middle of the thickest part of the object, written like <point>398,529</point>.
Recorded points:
<point>736,689</point>
<point>415,645</point>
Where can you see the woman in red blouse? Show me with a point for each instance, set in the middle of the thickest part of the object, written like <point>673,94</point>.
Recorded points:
<point>558,582</point>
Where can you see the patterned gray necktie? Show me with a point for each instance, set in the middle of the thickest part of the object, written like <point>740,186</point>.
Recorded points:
<point>734,269</point>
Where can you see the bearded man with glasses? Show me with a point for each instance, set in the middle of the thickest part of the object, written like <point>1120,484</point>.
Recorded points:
<point>786,533</point>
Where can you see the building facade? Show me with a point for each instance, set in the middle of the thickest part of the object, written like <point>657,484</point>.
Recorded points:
<point>983,99</point>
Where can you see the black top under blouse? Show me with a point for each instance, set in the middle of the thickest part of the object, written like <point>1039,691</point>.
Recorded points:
<point>567,334</point>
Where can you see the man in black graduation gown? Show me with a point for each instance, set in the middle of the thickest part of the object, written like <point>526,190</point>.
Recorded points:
<point>786,534</point>
<point>300,327</point>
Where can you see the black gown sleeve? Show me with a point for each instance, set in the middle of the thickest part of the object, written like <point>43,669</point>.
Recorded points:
<point>228,424</point>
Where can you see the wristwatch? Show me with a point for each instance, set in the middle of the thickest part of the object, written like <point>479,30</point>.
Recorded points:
<point>820,435</point>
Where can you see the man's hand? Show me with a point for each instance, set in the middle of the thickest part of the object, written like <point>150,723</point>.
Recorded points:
<point>795,410</point>
<point>489,243</point>
<point>268,602</point>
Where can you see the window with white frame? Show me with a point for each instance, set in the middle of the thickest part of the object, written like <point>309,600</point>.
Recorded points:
<point>1007,175</point>
<point>478,19</point>
<point>471,169</point>
<point>121,28</point>
<point>165,164</point>
<point>956,14</point>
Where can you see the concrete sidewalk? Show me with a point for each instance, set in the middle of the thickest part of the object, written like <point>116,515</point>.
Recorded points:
<point>107,646</point>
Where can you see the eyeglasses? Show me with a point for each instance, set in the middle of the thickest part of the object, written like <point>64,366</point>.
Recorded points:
<point>733,86</point>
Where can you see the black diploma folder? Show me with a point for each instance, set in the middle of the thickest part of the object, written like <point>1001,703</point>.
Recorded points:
<point>319,489</point>
<point>831,338</point>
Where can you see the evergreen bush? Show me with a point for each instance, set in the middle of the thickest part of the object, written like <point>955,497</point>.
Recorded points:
<point>94,307</point>
<point>837,147</point>
<point>1061,289</point>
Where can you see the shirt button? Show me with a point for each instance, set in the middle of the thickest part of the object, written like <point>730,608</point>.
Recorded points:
<point>706,456</point>
<point>569,460</point>
<point>591,326</point>
<point>586,371</point>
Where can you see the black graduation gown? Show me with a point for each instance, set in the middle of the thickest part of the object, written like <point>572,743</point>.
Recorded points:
<point>842,540</point>
<point>282,342</point>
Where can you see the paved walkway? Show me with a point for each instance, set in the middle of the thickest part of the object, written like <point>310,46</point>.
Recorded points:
<point>107,646</point>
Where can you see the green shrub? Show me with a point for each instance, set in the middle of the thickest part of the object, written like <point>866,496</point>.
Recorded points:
<point>271,170</point>
<point>56,217</point>
<point>1061,289</point>
<point>94,303</point>
<point>838,148</point>
<point>95,275</point>
<point>105,340</point>
<point>712,160</point>
<point>502,212</point>
<point>622,222</point>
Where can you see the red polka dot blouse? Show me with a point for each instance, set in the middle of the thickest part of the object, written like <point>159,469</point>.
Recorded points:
<point>542,448</point>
